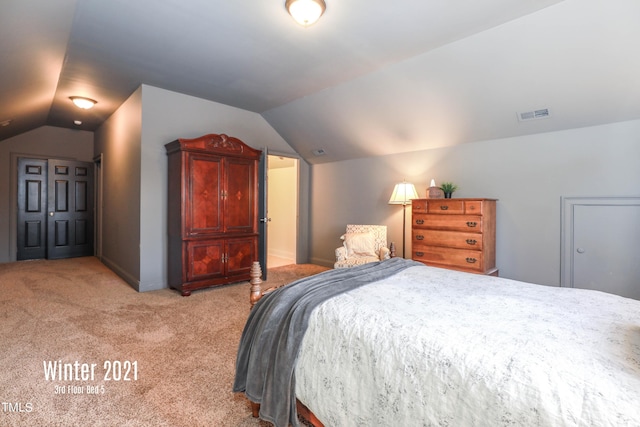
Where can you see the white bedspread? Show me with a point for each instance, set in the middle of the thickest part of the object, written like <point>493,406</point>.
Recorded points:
<point>433,347</point>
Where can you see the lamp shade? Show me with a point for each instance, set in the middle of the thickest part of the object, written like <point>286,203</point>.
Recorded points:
<point>403,193</point>
<point>305,12</point>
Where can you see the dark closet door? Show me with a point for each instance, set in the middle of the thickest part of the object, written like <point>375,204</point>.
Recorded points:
<point>263,213</point>
<point>55,209</point>
<point>32,209</point>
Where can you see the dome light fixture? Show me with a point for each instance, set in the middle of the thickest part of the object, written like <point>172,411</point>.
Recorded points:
<point>82,102</point>
<point>305,12</point>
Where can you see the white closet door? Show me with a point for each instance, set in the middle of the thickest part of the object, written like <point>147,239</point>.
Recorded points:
<point>602,247</point>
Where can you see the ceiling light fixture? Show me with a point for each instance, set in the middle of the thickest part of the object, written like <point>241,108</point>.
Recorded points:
<point>82,102</point>
<point>305,12</point>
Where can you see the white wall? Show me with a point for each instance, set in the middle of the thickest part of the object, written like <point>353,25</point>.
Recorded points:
<point>282,202</point>
<point>47,142</point>
<point>527,174</point>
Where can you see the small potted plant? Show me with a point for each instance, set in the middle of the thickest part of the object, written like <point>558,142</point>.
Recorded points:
<point>448,188</point>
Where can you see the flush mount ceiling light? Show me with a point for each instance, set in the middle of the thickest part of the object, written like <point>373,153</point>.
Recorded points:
<point>305,12</point>
<point>82,102</point>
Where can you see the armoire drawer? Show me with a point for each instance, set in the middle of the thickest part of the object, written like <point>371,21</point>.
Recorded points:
<point>451,239</point>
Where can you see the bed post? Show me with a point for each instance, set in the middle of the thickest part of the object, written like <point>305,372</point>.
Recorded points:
<point>255,409</point>
<point>256,281</point>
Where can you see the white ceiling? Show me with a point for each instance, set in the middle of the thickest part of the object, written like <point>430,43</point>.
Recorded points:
<point>372,77</point>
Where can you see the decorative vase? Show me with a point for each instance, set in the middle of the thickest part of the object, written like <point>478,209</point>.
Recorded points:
<point>447,195</point>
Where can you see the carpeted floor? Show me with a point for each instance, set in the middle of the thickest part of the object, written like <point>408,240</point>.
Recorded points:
<point>182,348</point>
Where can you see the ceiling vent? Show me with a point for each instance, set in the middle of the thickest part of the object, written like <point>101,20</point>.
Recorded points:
<point>534,115</point>
<point>319,152</point>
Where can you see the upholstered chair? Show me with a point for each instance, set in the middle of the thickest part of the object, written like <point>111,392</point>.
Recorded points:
<point>362,244</point>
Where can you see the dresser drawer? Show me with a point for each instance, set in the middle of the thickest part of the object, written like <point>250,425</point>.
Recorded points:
<point>419,205</point>
<point>445,206</point>
<point>447,257</point>
<point>473,207</point>
<point>469,223</point>
<point>451,239</point>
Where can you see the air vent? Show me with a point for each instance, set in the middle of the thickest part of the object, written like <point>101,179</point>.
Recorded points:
<point>534,115</point>
<point>319,152</point>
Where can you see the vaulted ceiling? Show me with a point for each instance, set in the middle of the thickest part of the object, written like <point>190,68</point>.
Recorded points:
<point>372,77</point>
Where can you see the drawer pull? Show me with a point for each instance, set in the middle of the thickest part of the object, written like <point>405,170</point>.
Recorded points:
<point>419,221</point>
<point>419,253</point>
<point>471,260</point>
<point>471,242</point>
<point>444,207</point>
<point>471,223</point>
<point>419,237</point>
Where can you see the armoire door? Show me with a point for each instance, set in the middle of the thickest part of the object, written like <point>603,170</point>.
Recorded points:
<point>203,202</point>
<point>241,202</point>
<point>55,209</point>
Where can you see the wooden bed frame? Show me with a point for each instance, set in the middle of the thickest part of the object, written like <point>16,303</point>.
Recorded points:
<point>303,411</point>
<point>256,293</point>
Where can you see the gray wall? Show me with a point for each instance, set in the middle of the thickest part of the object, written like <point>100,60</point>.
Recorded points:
<point>151,118</point>
<point>43,142</point>
<point>527,174</point>
<point>118,141</point>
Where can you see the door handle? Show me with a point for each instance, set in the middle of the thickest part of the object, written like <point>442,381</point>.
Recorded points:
<point>50,213</point>
<point>580,250</point>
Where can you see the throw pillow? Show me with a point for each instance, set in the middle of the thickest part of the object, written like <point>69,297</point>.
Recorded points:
<point>359,244</point>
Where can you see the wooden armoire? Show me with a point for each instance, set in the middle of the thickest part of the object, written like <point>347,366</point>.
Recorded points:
<point>213,211</point>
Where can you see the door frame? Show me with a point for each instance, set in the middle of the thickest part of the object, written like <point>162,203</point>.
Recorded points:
<point>13,196</point>
<point>270,189</point>
<point>97,207</point>
<point>567,250</point>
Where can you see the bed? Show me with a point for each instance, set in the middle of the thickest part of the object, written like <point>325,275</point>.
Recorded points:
<point>397,343</point>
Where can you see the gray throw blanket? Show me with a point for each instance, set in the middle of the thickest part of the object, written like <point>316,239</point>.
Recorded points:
<point>274,330</point>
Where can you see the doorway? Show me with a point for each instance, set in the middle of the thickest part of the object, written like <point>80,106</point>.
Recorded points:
<point>282,202</point>
<point>55,209</point>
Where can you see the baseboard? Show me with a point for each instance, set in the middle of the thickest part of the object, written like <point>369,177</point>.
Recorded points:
<point>132,281</point>
<point>323,262</point>
<point>281,254</point>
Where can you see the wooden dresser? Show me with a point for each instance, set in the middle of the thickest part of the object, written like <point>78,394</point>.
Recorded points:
<point>459,234</point>
<point>213,211</point>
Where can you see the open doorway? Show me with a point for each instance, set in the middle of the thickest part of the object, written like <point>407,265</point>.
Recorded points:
<point>282,202</point>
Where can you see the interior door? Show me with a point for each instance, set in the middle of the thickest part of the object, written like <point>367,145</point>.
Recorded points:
<point>55,209</point>
<point>262,211</point>
<point>70,209</point>
<point>602,246</point>
<point>32,209</point>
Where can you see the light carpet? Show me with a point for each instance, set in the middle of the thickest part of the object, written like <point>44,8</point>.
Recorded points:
<point>77,310</point>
